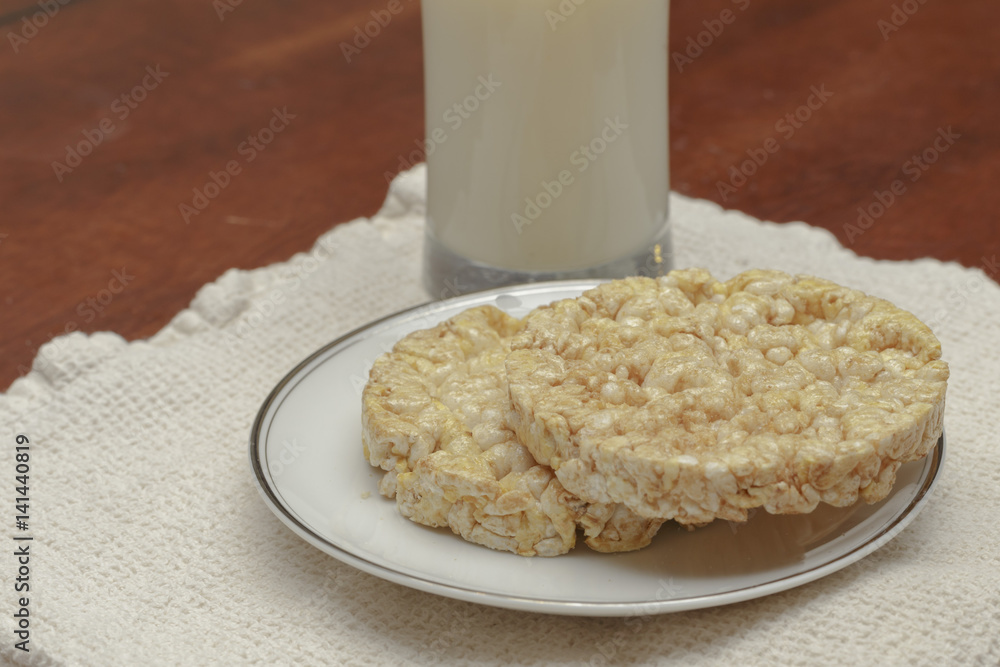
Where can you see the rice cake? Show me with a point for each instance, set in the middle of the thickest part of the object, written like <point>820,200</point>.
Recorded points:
<point>692,399</point>
<point>435,417</point>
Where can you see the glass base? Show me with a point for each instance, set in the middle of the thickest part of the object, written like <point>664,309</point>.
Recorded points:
<point>447,274</point>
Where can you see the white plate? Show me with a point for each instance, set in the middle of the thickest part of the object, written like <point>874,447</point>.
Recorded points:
<point>305,450</point>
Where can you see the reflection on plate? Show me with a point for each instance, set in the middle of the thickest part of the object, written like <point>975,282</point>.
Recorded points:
<point>305,450</point>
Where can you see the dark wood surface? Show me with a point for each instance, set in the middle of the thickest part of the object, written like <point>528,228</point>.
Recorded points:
<point>104,245</point>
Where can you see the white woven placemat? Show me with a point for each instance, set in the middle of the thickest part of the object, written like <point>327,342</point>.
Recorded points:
<point>151,545</point>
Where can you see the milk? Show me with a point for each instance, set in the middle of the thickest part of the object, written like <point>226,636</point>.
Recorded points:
<point>547,142</point>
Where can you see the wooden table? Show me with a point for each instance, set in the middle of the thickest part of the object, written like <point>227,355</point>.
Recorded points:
<point>117,118</point>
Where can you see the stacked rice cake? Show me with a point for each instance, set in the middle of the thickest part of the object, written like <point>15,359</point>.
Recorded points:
<point>644,400</point>
<point>436,417</point>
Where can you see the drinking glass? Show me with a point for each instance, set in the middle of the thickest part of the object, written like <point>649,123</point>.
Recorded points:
<point>547,141</point>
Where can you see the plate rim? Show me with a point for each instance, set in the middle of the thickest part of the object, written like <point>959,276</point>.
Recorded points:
<point>929,475</point>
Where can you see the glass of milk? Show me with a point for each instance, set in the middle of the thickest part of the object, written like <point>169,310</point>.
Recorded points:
<point>547,141</point>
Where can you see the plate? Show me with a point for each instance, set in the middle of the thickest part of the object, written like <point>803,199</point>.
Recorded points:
<point>305,450</point>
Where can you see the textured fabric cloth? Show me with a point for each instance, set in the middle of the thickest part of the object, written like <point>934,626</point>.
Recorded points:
<point>152,546</point>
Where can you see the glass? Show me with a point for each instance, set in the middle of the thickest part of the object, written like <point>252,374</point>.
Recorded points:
<point>547,141</point>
